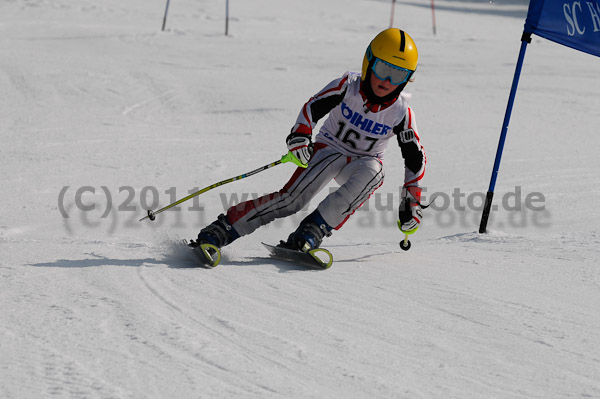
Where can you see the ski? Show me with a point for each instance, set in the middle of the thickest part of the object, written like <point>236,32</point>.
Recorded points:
<point>318,258</point>
<point>208,255</point>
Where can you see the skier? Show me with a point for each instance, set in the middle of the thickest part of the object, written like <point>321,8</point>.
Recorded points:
<point>365,110</point>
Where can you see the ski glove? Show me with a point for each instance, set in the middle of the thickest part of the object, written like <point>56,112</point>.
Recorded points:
<point>301,146</point>
<point>410,212</point>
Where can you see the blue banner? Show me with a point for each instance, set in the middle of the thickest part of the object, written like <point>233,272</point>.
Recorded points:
<point>573,23</point>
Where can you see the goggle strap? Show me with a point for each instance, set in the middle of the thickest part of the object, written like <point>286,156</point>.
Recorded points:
<point>369,53</point>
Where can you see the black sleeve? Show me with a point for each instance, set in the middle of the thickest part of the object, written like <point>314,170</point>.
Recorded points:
<point>411,148</point>
<point>321,107</point>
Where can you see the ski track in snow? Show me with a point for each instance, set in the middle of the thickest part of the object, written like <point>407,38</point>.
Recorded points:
<point>98,305</point>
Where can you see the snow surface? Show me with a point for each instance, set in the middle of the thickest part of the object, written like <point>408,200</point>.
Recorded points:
<point>98,305</point>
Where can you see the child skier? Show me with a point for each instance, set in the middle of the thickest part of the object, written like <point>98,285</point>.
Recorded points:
<point>365,111</point>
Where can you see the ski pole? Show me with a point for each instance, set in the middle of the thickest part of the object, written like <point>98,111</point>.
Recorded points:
<point>289,157</point>
<point>405,243</point>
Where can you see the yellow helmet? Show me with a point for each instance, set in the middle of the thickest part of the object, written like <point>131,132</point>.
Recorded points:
<point>393,46</point>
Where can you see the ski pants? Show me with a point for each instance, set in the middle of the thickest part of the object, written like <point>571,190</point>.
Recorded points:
<point>358,177</point>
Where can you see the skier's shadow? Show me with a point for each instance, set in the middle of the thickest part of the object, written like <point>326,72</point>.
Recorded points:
<point>96,261</point>
<point>172,260</point>
<point>174,263</point>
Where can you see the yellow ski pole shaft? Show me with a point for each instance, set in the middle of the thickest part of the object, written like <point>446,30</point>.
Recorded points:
<point>289,157</point>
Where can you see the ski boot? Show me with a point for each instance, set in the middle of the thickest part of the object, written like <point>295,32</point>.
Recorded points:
<point>309,234</point>
<point>214,236</point>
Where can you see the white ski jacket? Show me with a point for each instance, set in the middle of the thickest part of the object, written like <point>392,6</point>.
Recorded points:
<point>357,128</point>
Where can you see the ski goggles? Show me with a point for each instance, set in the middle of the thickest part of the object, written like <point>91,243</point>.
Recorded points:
<point>386,71</point>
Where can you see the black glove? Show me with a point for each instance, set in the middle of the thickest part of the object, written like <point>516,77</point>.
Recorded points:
<point>410,212</point>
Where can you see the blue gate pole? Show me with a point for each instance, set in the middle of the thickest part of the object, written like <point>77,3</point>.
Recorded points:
<point>165,17</point>
<point>525,39</point>
<point>226,17</point>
